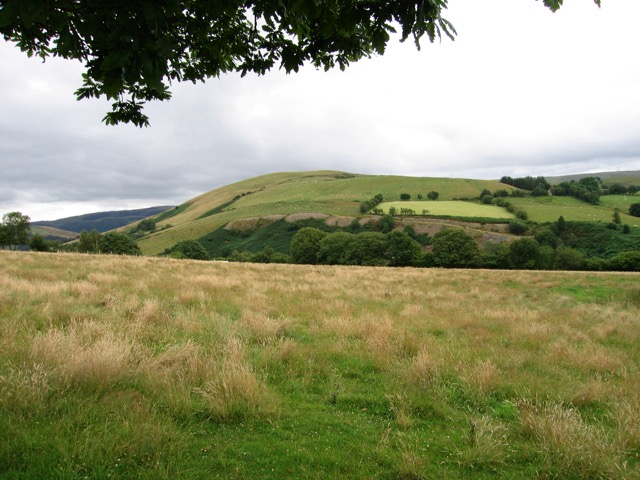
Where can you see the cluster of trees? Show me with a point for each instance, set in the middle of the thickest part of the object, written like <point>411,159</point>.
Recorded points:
<point>191,249</point>
<point>487,197</point>
<point>433,195</point>
<point>586,189</point>
<point>548,248</point>
<point>313,246</point>
<point>619,189</point>
<point>371,203</point>
<point>109,243</point>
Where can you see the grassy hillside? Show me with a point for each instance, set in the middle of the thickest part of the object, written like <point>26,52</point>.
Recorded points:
<point>327,192</point>
<point>548,209</point>
<point>122,367</point>
<point>52,232</point>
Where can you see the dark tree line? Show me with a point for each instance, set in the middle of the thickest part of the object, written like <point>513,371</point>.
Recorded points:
<point>313,246</point>
<point>537,184</point>
<point>371,203</point>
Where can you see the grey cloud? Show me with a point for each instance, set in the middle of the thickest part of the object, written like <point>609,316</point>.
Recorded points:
<point>479,107</point>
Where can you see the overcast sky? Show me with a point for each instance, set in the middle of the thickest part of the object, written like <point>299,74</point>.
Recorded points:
<point>521,91</point>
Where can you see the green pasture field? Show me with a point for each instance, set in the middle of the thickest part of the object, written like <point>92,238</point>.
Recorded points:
<point>451,208</point>
<point>155,368</point>
<point>548,209</point>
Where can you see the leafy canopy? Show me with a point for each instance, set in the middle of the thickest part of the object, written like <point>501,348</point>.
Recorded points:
<point>133,50</point>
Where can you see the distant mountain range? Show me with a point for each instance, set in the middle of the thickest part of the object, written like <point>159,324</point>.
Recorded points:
<point>101,221</point>
<point>623,177</point>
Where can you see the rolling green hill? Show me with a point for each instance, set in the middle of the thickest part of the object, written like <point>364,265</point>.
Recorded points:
<point>336,197</point>
<point>53,233</point>
<point>332,193</point>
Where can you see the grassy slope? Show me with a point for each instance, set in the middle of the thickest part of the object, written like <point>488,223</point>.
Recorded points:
<point>115,367</point>
<point>334,193</point>
<point>339,193</point>
<point>54,232</point>
<point>548,209</point>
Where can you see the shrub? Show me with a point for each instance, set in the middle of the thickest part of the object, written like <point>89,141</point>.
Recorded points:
<point>517,228</point>
<point>569,259</point>
<point>626,261</point>
<point>335,248</point>
<point>454,247</point>
<point>546,237</point>
<point>191,249</point>
<point>147,225</point>
<point>119,244</point>
<point>371,203</point>
<point>369,248</point>
<point>305,245</point>
<point>38,243</point>
<point>634,209</point>
<point>433,195</point>
<point>501,193</point>
<point>402,250</point>
<point>405,196</point>
<point>525,253</point>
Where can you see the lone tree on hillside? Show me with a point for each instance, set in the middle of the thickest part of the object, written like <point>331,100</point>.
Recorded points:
<point>133,50</point>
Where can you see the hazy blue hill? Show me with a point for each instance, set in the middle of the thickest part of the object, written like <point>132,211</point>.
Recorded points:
<point>102,221</point>
<point>625,178</point>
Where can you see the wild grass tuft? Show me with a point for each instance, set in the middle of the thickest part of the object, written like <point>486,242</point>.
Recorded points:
<point>86,354</point>
<point>487,446</point>
<point>235,391</point>
<point>570,446</point>
<point>400,407</point>
<point>26,390</point>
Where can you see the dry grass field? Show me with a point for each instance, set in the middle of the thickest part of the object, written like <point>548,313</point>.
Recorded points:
<point>121,367</point>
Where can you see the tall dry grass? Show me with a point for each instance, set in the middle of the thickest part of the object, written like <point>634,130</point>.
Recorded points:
<point>236,391</point>
<point>194,340</point>
<point>571,446</point>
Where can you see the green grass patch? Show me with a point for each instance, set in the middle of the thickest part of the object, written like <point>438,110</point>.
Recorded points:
<point>450,208</point>
<point>172,212</point>
<point>548,209</point>
<point>595,294</point>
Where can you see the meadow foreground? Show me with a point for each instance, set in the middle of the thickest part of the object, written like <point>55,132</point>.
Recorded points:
<point>121,367</point>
